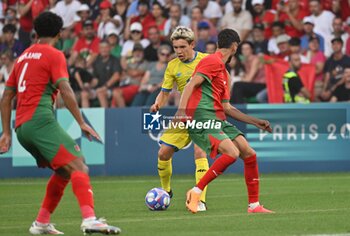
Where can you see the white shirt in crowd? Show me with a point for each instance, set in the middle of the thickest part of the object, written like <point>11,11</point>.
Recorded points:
<point>323,23</point>
<point>213,10</point>
<point>67,11</point>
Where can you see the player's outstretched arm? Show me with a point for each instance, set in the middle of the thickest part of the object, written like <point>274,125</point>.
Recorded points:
<point>5,108</point>
<point>161,100</point>
<point>72,105</point>
<point>240,116</point>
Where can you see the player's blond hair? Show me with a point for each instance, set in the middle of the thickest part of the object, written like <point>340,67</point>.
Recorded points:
<point>182,32</point>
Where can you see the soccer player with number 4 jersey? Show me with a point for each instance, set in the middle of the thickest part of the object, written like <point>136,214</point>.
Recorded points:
<point>206,98</point>
<point>37,76</point>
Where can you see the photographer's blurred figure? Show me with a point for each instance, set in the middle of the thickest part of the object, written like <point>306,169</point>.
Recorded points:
<point>293,89</point>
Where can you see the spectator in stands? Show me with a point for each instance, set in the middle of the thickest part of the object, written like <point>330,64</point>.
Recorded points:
<point>28,12</point>
<point>188,6</point>
<point>87,46</point>
<point>347,28</point>
<point>323,19</point>
<point>239,20</point>
<point>203,36</point>
<point>277,30</point>
<point>94,6</point>
<point>282,42</point>
<point>196,17</point>
<point>151,51</point>
<point>158,15</point>
<point>7,62</point>
<point>107,70</point>
<point>211,10</point>
<point>263,16</point>
<point>235,69</point>
<point>11,16</point>
<point>210,47</point>
<point>145,18</point>
<point>334,69</point>
<point>130,83</point>
<point>338,31</point>
<point>66,41</point>
<point>121,8</point>
<point>259,41</point>
<point>342,93</point>
<point>84,14</point>
<point>293,88</point>
<point>9,43</point>
<point>253,80</point>
<point>175,19</point>
<point>294,47</point>
<point>113,40</point>
<point>136,30</point>
<point>82,82</point>
<point>152,80</point>
<point>317,58</point>
<point>308,25</point>
<point>292,15</point>
<point>107,21</point>
<point>67,10</point>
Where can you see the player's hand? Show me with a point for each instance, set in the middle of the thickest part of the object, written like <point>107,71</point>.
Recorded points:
<point>264,125</point>
<point>154,108</point>
<point>180,116</point>
<point>89,132</point>
<point>5,143</point>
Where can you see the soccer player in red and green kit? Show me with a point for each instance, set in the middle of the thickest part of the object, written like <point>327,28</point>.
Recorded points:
<point>206,98</point>
<point>37,76</point>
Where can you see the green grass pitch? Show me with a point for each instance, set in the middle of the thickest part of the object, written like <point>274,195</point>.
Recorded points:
<point>305,204</point>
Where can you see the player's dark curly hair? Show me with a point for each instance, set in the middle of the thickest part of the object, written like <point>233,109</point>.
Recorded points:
<point>48,24</point>
<point>226,37</point>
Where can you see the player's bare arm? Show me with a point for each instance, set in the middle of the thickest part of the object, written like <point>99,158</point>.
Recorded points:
<point>240,116</point>
<point>5,140</point>
<point>161,100</point>
<point>71,104</point>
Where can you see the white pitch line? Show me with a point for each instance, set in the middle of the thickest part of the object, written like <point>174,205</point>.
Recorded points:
<point>199,217</point>
<point>325,235</point>
<point>234,178</point>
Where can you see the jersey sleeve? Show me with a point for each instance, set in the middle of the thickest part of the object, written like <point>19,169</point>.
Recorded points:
<point>168,81</point>
<point>205,68</point>
<point>11,82</point>
<point>59,70</point>
<point>226,96</point>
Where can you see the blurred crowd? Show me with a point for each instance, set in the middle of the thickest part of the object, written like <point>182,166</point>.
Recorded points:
<point>117,50</point>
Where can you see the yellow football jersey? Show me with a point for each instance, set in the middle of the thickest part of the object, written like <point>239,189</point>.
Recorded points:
<point>180,72</point>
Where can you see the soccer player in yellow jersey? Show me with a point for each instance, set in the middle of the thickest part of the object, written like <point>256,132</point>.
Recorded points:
<point>179,71</point>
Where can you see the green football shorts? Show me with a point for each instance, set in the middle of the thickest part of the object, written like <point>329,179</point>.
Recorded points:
<point>48,143</point>
<point>209,139</point>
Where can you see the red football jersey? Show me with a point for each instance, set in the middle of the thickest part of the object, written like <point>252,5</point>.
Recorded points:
<point>35,78</point>
<point>205,102</point>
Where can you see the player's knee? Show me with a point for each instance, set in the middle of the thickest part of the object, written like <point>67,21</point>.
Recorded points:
<point>199,153</point>
<point>77,165</point>
<point>164,154</point>
<point>248,152</point>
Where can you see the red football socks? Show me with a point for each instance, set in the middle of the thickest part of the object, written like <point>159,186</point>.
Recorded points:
<point>251,174</point>
<point>217,168</point>
<point>83,192</point>
<point>54,192</point>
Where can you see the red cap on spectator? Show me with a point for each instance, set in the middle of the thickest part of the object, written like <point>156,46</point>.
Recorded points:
<point>105,4</point>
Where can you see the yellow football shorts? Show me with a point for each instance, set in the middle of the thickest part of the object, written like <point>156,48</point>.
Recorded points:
<point>176,138</point>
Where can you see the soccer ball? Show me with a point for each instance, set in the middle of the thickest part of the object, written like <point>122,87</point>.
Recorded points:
<point>157,199</point>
